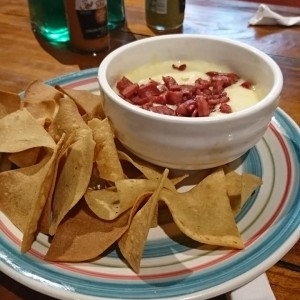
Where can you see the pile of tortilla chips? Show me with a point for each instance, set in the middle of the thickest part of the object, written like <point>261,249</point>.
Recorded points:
<point>64,174</point>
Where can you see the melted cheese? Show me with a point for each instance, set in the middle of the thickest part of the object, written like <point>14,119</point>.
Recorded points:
<point>240,97</point>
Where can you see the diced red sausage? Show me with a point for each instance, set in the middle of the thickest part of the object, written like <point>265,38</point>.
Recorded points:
<point>197,100</point>
<point>139,101</point>
<point>123,83</point>
<point>202,84</point>
<point>149,89</point>
<point>171,83</point>
<point>247,84</point>
<point>202,106</point>
<point>187,108</point>
<point>174,97</point>
<point>180,67</point>
<point>225,108</point>
<point>162,109</point>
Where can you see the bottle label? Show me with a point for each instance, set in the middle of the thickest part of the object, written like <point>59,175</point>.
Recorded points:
<point>92,16</point>
<point>159,6</point>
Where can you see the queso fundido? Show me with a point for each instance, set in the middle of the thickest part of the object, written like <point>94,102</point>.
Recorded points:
<point>187,89</point>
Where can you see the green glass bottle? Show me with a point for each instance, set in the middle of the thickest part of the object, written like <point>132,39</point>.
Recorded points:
<point>116,14</point>
<point>48,20</point>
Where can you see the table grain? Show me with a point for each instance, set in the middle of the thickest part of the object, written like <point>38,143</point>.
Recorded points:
<point>24,57</point>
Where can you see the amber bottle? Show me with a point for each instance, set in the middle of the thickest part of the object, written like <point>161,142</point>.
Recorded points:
<point>88,26</point>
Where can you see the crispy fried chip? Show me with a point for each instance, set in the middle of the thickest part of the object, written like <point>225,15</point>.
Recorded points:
<point>104,203</point>
<point>132,243</point>
<point>67,120</point>
<point>25,158</point>
<point>106,154</point>
<point>249,183</point>
<point>20,131</point>
<point>9,103</point>
<point>204,213</point>
<point>83,236</point>
<point>130,189</point>
<point>86,102</point>
<point>16,199</point>
<point>40,99</point>
<point>240,188</point>
<point>46,216</point>
<point>233,184</point>
<point>108,204</point>
<point>74,177</point>
<point>234,190</point>
<point>24,205</point>
<point>147,169</point>
<point>179,179</point>
<point>5,163</point>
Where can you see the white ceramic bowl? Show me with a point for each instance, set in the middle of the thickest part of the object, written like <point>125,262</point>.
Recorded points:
<point>183,142</point>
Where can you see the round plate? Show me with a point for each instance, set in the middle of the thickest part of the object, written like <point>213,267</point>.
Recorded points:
<point>173,266</point>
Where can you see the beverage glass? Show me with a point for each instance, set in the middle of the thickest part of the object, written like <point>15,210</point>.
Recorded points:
<point>116,14</point>
<point>48,20</point>
<point>164,15</point>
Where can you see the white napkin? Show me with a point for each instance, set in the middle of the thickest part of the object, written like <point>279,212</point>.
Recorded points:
<point>258,289</point>
<point>265,16</point>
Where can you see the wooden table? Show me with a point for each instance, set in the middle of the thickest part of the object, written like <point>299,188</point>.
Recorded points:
<point>24,58</point>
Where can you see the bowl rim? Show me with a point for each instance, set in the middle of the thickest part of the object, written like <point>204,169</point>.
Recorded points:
<point>272,96</point>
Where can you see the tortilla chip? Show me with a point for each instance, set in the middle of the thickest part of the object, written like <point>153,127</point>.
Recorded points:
<point>16,199</point>
<point>234,190</point>
<point>130,189</point>
<point>33,227</point>
<point>25,158</point>
<point>132,243</point>
<point>179,179</point>
<point>20,131</point>
<point>104,203</point>
<point>23,201</point>
<point>40,99</point>
<point>9,103</point>
<point>74,177</point>
<point>67,120</point>
<point>46,215</point>
<point>154,221</point>
<point>97,183</point>
<point>83,236</point>
<point>106,155</point>
<point>240,188</point>
<point>233,184</point>
<point>249,184</point>
<point>86,102</point>
<point>204,213</point>
<point>149,170</point>
<point>5,163</point>
<point>108,204</point>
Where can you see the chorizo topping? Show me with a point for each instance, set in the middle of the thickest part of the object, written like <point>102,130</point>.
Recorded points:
<point>169,97</point>
<point>180,67</point>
